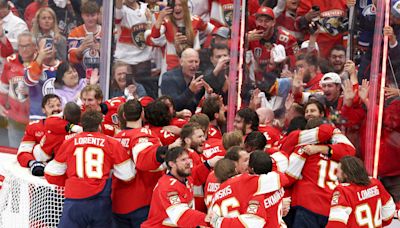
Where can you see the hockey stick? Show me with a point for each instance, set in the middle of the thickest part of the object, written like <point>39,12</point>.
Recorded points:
<point>349,48</point>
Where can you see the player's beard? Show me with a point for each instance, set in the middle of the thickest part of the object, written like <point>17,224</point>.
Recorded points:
<point>197,147</point>
<point>183,172</point>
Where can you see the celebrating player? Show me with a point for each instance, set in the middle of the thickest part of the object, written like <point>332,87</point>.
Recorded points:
<point>83,164</point>
<point>359,201</point>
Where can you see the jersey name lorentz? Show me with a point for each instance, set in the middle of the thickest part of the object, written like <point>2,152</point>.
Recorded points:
<point>368,193</point>
<point>89,140</point>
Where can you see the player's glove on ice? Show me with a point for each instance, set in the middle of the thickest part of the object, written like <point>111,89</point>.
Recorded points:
<point>37,168</point>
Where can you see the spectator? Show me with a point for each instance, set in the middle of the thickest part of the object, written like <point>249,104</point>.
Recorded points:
<point>287,19</point>
<point>31,10</point>
<point>216,74</point>
<point>330,22</point>
<point>131,48</point>
<point>337,58</point>
<point>10,26</point>
<point>45,24</point>
<point>246,121</point>
<point>119,86</point>
<point>84,41</point>
<point>13,91</point>
<point>176,30</point>
<point>68,85</point>
<point>181,84</point>
<point>39,77</point>
<point>220,36</point>
<point>68,14</point>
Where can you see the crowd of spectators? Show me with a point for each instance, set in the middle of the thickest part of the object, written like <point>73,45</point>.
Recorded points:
<point>295,66</point>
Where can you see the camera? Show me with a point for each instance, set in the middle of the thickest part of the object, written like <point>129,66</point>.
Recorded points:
<point>315,8</point>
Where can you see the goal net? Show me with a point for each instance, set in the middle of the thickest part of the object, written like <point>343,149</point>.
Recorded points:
<point>28,201</point>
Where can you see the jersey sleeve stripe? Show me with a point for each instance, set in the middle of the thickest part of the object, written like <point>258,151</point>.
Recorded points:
<point>249,220</point>
<point>268,183</point>
<point>281,161</point>
<point>340,138</point>
<point>55,168</point>
<point>308,136</point>
<point>296,164</point>
<point>125,171</point>
<point>39,154</point>
<point>176,211</point>
<point>340,214</point>
<point>388,210</point>
<point>26,146</point>
<point>139,148</point>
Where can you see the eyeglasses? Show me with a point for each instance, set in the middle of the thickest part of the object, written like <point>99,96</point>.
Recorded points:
<point>23,47</point>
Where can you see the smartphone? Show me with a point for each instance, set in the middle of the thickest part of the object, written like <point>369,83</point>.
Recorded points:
<point>90,35</point>
<point>182,30</point>
<point>171,4</point>
<point>198,74</point>
<point>49,43</point>
<point>89,72</point>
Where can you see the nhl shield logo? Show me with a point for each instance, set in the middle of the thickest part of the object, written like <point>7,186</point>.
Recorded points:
<point>138,35</point>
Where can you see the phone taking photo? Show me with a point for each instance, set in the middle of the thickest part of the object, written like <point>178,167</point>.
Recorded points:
<point>49,43</point>
<point>171,4</point>
<point>198,74</point>
<point>182,30</point>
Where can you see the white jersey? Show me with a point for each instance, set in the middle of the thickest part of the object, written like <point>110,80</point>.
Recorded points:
<point>131,46</point>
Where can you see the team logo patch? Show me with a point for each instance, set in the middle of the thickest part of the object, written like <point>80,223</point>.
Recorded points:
<point>138,35</point>
<point>253,207</point>
<point>48,87</point>
<point>173,198</point>
<point>335,198</point>
<point>114,119</point>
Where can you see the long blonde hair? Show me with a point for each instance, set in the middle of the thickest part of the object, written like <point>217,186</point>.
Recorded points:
<point>35,23</point>
<point>187,20</point>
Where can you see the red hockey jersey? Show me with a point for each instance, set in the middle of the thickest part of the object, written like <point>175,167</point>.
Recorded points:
<point>13,90</point>
<point>33,134</point>
<point>211,186</point>
<point>172,205</point>
<point>84,163</point>
<point>272,135</point>
<point>247,207</point>
<point>361,206</point>
<point>142,146</point>
<point>316,179</point>
<point>166,137</point>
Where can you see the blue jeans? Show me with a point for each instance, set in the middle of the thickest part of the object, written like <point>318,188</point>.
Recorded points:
<point>132,219</point>
<point>305,218</point>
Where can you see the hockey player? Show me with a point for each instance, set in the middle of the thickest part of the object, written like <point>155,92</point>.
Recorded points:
<point>359,201</point>
<point>254,206</point>
<point>172,200</point>
<point>84,165</point>
<point>51,104</point>
<point>148,155</point>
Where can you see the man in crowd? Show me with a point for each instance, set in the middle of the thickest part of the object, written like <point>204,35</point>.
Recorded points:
<point>84,166</point>
<point>181,83</point>
<point>172,200</point>
<point>40,75</point>
<point>13,91</point>
<point>84,40</point>
<point>359,201</point>
<point>10,26</point>
<point>217,73</point>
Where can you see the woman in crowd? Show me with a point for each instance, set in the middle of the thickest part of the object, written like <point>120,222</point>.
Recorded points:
<point>68,85</point>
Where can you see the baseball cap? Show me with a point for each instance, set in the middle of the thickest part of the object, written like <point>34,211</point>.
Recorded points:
<point>330,77</point>
<point>222,32</point>
<point>395,8</point>
<point>306,43</point>
<point>263,10</point>
<point>146,100</point>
